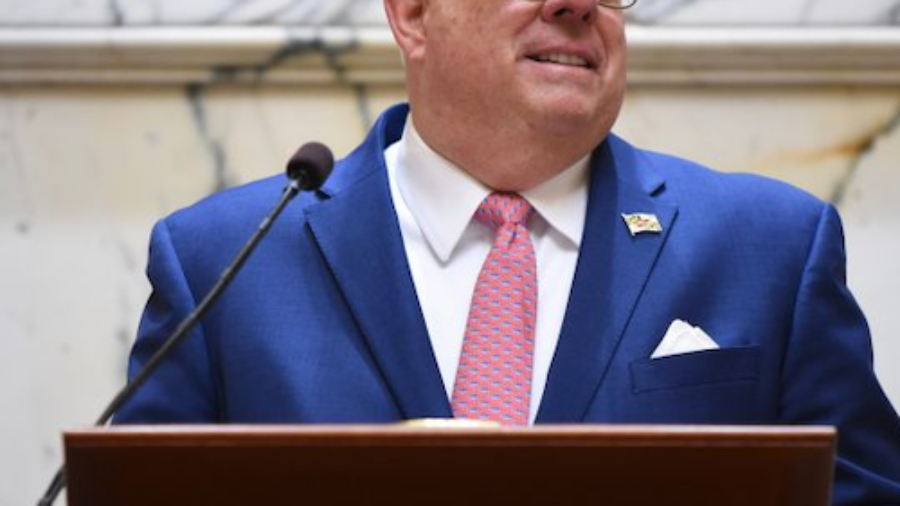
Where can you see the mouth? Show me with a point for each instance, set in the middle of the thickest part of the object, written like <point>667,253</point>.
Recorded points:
<point>568,60</point>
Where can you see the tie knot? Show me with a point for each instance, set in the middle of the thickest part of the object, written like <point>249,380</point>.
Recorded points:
<point>499,209</point>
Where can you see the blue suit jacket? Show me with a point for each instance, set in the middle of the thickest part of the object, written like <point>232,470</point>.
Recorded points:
<point>323,324</point>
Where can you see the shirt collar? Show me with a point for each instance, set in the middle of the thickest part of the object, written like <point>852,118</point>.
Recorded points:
<point>562,201</point>
<point>443,198</point>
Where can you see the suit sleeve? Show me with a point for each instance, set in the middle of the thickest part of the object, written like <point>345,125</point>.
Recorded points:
<point>182,389</point>
<point>828,377</point>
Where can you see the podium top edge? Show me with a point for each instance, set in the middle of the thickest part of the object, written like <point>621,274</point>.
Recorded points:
<point>401,433</point>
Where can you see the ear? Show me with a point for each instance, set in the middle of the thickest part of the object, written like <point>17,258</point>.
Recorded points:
<point>407,20</point>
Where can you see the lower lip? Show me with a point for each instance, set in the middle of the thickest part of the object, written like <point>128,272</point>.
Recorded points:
<point>560,69</point>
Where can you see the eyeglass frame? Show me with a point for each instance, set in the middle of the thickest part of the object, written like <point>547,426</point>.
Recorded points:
<point>623,4</point>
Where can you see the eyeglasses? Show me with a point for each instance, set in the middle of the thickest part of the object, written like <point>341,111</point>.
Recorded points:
<point>609,4</point>
<point>617,4</point>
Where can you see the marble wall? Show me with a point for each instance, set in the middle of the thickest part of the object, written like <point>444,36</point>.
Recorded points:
<point>369,12</point>
<point>768,12</point>
<point>116,112</point>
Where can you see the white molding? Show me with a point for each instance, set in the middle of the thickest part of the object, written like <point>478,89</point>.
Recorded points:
<point>307,55</point>
<point>748,56</point>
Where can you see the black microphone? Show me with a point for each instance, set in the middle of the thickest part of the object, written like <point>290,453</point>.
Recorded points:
<point>310,166</point>
<point>307,170</point>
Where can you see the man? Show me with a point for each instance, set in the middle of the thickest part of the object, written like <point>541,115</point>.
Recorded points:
<point>500,194</point>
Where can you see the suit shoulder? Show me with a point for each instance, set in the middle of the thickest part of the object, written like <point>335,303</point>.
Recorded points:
<point>231,203</point>
<point>754,211</point>
<point>688,181</point>
<point>247,203</point>
<point>226,219</point>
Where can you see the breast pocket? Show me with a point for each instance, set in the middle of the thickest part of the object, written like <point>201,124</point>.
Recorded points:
<point>708,387</point>
<point>704,368</point>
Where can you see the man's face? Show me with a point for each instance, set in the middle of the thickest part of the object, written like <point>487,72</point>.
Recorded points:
<point>555,67</point>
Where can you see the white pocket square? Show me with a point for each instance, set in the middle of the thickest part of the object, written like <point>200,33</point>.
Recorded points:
<point>683,338</point>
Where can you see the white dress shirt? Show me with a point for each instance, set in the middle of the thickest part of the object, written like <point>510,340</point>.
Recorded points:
<point>435,203</point>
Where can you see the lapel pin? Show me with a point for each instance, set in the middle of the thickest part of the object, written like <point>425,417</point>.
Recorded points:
<point>642,223</point>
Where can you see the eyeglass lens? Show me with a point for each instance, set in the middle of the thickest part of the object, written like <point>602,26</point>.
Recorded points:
<point>616,4</point>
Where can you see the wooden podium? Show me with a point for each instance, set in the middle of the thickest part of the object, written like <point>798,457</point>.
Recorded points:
<point>425,465</point>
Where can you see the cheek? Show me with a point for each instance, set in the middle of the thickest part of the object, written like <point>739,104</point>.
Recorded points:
<point>611,28</point>
<point>611,17</point>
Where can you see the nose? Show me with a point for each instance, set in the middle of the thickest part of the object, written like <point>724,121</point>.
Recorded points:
<point>555,11</point>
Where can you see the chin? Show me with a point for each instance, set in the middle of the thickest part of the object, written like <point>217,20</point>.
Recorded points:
<point>567,117</point>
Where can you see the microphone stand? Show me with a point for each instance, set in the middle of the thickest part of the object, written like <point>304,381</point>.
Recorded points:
<point>304,175</point>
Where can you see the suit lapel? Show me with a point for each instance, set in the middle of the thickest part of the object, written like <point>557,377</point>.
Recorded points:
<point>612,271</point>
<point>359,237</point>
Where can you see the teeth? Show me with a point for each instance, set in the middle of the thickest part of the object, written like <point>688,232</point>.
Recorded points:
<point>563,59</point>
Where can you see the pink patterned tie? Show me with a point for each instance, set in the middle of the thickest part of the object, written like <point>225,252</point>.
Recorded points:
<point>494,377</point>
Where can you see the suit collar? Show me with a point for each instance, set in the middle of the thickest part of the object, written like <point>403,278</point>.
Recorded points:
<point>368,158</point>
<point>357,233</point>
<point>612,271</point>
<point>624,160</point>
